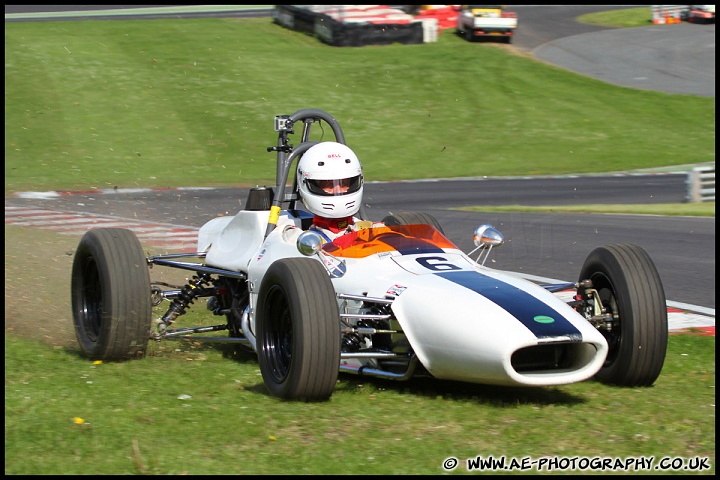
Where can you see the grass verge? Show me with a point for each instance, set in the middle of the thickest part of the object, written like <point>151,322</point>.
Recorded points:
<point>162,103</point>
<point>192,409</point>
<point>188,409</point>
<point>97,104</point>
<point>706,209</point>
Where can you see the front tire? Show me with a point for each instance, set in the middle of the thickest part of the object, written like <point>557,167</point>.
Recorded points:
<point>111,295</point>
<point>630,288</point>
<point>298,330</point>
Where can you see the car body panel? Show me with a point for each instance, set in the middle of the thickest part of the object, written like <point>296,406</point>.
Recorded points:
<point>463,321</point>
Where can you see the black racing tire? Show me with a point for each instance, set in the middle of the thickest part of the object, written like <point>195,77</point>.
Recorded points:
<point>111,295</point>
<point>630,288</point>
<point>411,218</point>
<point>298,330</point>
<point>469,35</point>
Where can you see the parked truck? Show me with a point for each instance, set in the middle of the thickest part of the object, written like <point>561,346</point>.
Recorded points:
<point>483,21</point>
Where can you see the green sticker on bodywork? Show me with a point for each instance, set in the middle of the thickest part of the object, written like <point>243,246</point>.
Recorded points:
<point>543,319</point>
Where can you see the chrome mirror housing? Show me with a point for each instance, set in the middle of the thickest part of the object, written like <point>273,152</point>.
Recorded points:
<point>487,236</point>
<point>309,243</point>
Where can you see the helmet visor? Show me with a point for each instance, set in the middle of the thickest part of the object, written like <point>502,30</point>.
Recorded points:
<point>329,188</point>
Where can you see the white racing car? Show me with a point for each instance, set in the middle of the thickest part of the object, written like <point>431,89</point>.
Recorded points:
<point>393,301</point>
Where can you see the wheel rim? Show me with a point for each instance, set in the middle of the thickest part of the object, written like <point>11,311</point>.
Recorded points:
<point>91,299</point>
<point>278,335</point>
<point>609,302</point>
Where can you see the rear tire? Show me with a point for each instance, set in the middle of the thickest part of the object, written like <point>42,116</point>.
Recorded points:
<point>111,295</point>
<point>411,218</point>
<point>298,330</point>
<point>630,288</point>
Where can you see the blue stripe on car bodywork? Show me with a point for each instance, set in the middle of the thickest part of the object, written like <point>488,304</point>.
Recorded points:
<point>518,303</point>
<point>409,246</point>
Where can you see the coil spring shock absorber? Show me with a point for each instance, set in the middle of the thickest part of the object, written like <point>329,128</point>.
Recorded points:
<point>185,298</point>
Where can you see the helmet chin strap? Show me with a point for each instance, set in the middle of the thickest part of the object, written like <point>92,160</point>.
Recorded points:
<point>335,225</point>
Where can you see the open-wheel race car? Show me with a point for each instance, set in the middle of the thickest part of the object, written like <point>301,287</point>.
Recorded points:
<point>396,300</point>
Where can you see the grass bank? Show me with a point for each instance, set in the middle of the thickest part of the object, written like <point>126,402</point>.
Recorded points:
<point>178,103</point>
<point>192,410</point>
<point>161,103</point>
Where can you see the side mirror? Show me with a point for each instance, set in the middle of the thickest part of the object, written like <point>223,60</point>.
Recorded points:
<point>486,237</point>
<point>310,243</point>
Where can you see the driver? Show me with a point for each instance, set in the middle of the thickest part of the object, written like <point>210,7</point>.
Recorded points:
<point>330,181</point>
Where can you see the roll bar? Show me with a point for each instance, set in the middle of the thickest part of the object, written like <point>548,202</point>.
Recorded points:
<point>287,154</point>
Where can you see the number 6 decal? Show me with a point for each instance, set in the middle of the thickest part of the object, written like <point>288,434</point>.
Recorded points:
<point>436,263</point>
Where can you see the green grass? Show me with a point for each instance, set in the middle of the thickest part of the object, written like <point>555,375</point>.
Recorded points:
<point>161,103</point>
<point>136,420</point>
<point>626,17</point>
<point>706,209</point>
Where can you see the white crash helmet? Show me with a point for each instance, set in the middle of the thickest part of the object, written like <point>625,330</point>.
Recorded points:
<point>330,180</point>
